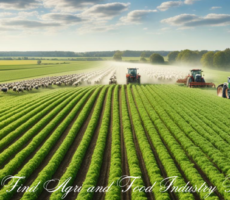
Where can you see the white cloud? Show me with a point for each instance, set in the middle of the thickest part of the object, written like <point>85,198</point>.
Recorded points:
<point>69,5</point>
<point>108,10</point>
<point>19,4</point>
<point>19,24</point>
<point>169,4</point>
<point>188,20</point>
<point>190,1</point>
<point>64,18</point>
<point>28,14</point>
<point>215,7</point>
<point>136,16</point>
<point>98,28</point>
<point>6,14</point>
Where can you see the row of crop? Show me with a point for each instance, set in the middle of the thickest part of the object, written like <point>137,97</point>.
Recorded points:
<point>22,124</point>
<point>79,154</point>
<point>197,122</point>
<point>169,116</point>
<point>167,161</point>
<point>18,160</point>
<point>22,110</point>
<point>13,118</point>
<point>13,103</point>
<point>115,171</point>
<point>133,162</point>
<point>46,115</point>
<point>31,133</point>
<point>49,170</point>
<point>222,105</point>
<point>150,162</point>
<point>40,155</point>
<point>210,109</point>
<point>161,121</point>
<point>205,112</point>
<point>94,170</point>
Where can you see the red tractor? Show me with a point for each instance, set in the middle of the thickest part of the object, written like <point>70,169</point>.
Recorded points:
<point>195,79</point>
<point>133,76</point>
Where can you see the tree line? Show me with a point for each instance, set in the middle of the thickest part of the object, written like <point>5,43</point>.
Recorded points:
<point>126,53</point>
<point>210,59</point>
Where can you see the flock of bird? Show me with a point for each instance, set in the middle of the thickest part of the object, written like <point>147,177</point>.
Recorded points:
<point>67,80</point>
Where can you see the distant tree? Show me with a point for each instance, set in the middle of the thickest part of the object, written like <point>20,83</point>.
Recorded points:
<point>156,58</point>
<point>118,55</point>
<point>201,53</point>
<point>227,56</point>
<point>188,56</point>
<point>25,58</point>
<point>19,58</point>
<point>219,60</point>
<point>172,56</point>
<point>39,62</point>
<point>207,59</point>
<point>143,57</point>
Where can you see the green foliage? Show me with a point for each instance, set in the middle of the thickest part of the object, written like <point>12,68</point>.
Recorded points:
<point>219,60</point>
<point>227,57</point>
<point>97,157</point>
<point>118,55</point>
<point>39,62</point>
<point>133,162</point>
<point>156,59</point>
<point>37,159</point>
<point>115,171</point>
<point>207,59</point>
<point>146,151</point>
<point>188,57</point>
<point>172,56</point>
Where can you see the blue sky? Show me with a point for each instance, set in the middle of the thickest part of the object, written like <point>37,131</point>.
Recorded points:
<point>100,25</point>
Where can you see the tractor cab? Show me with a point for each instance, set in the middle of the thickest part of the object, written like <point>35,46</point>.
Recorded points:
<point>132,76</point>
<point>132,71</point>
<point>196,74</point>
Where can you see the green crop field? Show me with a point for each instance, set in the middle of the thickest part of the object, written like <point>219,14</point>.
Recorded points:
<point>18,70</point>
<point>147,131</point>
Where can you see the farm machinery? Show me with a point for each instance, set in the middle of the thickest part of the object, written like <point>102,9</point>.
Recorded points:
<point>113,79</point>
<point>223,90</point>
<point>195,79</point>
<point>132,76</point>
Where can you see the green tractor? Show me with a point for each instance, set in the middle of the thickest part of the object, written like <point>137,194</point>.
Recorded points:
<point>223,90</point>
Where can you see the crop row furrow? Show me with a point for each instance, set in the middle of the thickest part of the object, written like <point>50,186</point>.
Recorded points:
<point>18,145</point>
<point>115,171</point>
<point>170,167</point>
<point>46,115</point>
<point>218,122</point>
<point>97,157</point>
<point>133,162</point>
<point>200,124</point>
<point>169,116</point>
<point>26,108</point>
<point>154,172</point>
<point>22,124</point>
<point>157,115</point>
<point>48,171</point>
<point>18,160</point>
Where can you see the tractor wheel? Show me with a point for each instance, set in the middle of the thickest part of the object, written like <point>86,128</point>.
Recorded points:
<point>220,90</point>
<point>225,90</point>
<point>226,93</point>
<point>139,81</point>
<point>127,81</point>
<point>189,80</point>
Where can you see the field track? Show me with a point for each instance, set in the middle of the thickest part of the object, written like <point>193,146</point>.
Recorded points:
<point>93,136</point>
